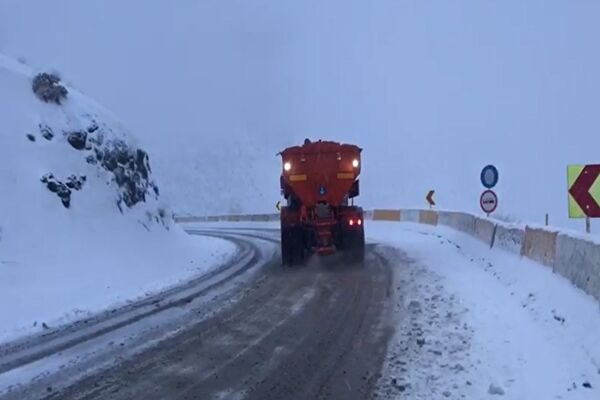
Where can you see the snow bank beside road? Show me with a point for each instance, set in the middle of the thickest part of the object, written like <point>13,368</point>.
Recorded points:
<point>480,322</point>
<point>59,292</point>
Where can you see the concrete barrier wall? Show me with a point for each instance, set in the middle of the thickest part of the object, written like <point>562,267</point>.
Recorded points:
<point>189,219</point>
<point>386,215</point>
<point>228,218</point>
<point>579,261</point>
<point>510,239</point>
<point>460,221</point>
<point>259,218</point>
<point>444,217</point>
<point>411,215</point>
<point>428,217</point>
<point>539,245</point>
<point>485,230</point>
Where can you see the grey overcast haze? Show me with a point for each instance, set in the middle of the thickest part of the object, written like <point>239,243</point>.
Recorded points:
<point>432,91</point>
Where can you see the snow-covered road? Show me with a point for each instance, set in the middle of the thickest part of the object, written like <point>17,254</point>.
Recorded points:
<point>432,314</point>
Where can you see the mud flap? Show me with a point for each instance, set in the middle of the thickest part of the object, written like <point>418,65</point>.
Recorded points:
<point>352,244</point>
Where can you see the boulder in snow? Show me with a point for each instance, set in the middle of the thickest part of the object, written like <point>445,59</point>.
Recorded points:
<point>47,88</point>
<point>496,390</point>
<point>77,140</point>
<point>46,132</point>
<point>63,190</point>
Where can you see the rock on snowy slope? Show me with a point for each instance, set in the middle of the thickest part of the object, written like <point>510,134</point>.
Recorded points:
<point>47,88</point>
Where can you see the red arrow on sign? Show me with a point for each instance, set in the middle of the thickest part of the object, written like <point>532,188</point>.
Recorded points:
<point>581,190</point>
<point>429,198</point>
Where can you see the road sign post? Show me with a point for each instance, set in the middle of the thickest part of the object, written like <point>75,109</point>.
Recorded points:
<point>488,202</point>
<point>489,176</point>
<point>588,225</point>
<point>584,191</point>
<point>583,182</point>
<point>429,198</point>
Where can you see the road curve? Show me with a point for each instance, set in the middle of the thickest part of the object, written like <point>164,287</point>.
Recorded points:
<point>55,358</point>
<point>313,332</point>
<point>36,347</point>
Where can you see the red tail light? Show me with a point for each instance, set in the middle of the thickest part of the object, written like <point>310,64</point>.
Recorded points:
<point>353,222</point>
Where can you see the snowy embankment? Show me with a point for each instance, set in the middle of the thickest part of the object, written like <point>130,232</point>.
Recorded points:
<point>82,227</point>
<point>479,323</point>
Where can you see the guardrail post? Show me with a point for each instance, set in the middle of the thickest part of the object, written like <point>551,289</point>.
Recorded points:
<point>588,225</point>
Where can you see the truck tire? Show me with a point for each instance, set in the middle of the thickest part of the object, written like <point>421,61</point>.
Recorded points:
<point>286,254</point>
<point>300,251</point>
<point>292,246</point>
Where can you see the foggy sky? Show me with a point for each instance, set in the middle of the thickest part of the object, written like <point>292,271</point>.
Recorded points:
<point>432,91</point>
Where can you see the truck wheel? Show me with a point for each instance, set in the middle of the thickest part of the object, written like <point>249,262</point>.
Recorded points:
<point>287,255</point>
<point>292,246</point>
<point>298,246</point>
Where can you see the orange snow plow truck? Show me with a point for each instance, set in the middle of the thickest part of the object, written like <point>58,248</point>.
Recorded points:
<point>319,182</point>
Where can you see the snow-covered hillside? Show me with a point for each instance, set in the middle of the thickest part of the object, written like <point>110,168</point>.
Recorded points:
<point>81,222</point>
<point>433,92</point>
<point>66,162</point>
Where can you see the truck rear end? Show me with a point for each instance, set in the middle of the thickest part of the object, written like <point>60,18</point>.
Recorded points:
<point>319,182</point>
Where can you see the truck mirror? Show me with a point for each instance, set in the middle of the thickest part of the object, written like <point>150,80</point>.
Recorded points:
<point>354,190</point>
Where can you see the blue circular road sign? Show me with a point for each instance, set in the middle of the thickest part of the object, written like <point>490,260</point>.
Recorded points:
<point>489,176</point>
